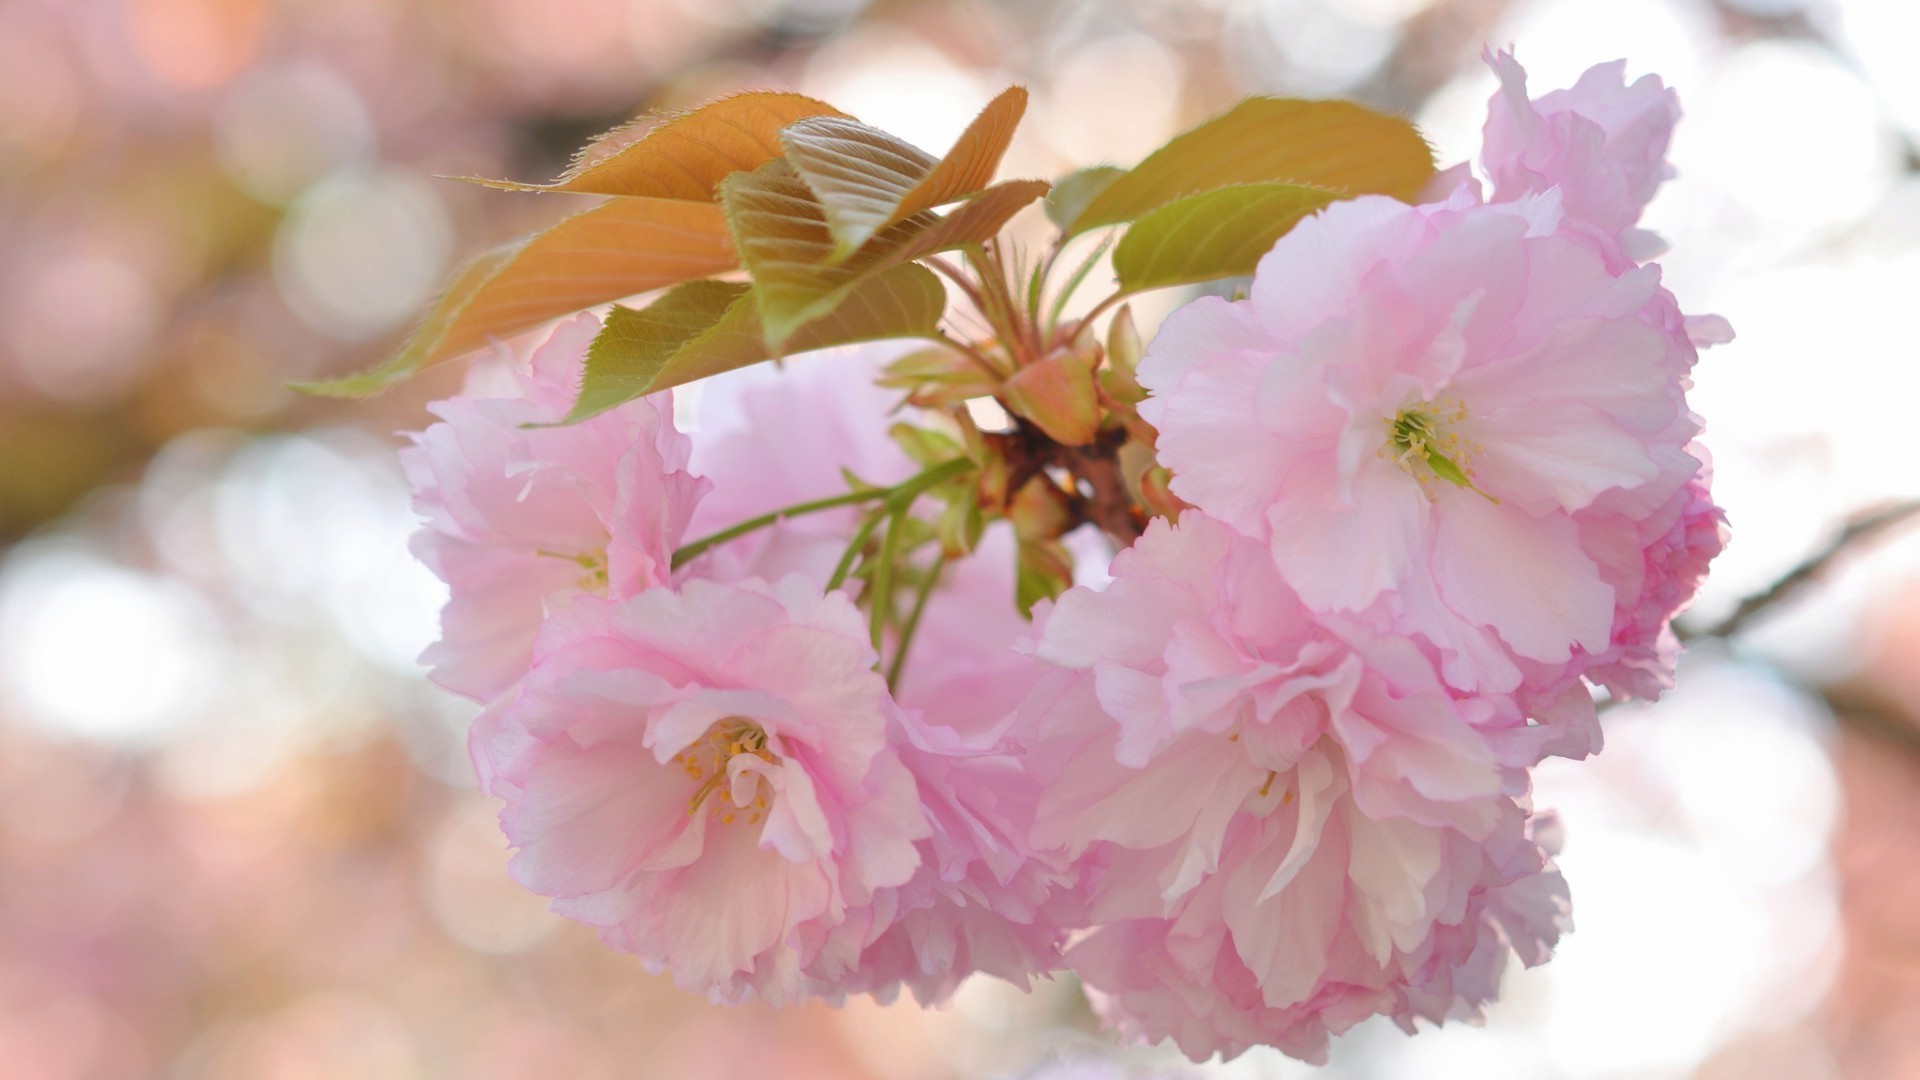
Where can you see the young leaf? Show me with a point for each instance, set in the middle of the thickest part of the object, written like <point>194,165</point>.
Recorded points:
<point>626,357</point>
<point>615,250</point>
<point>1072,192</point>
<point>1044,570</point>
<point>867,179</point>
<point>1331,144</point>
<point>684,156</point>
<point>975,221</point>
<point>705,328</point>
<point>1211,235</point>
<point>781,231</point>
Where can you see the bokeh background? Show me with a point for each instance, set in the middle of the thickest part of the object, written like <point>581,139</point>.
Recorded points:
<point>238,836</point>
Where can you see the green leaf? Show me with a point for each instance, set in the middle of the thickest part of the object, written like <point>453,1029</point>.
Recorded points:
<point>618,249</point>
<point>781,231</point>
<point>1072,192</point>
<point>1329,144</point>
<point>627,356</point>
<point>692,333</point>
<point>924,445</point>
<point>1211,235</point>
<point>684,156</point>
<point>867,179</point>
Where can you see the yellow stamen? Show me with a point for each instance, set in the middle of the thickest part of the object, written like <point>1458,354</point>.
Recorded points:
<point>1417,436</point>
<point>725,741</point>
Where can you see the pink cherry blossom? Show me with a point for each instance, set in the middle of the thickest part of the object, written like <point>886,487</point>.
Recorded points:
<point>1656,563</point>
<point>519,519</point>
<point>983,900</point>
<point>1602,143</point>
<point>1437,418</point>
<point>1289,823</point>
<point>706,775</point>
<point>1196,975</point>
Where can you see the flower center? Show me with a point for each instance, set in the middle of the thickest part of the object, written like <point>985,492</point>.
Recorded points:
<point>593,568</point>
<point>1420,441</point>
<point>706,761</point>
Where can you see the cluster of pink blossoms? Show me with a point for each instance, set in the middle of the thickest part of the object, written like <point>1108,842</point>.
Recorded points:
<point>1267,781</point>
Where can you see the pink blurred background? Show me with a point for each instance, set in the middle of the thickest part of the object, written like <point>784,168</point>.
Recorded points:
<point>238,836</point>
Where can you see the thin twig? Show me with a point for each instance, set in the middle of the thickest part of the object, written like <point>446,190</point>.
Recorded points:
<point>1861,529</point>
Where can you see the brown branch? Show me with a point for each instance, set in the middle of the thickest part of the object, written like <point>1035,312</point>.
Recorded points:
<point>1109,507</point>
<point>1857,531</point>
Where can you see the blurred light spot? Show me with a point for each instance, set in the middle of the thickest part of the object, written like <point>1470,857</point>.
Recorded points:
<point>1667,949</point>
<point>1451,118</point>
<point>1115,99</point>
<point>1792,458</point>
<point>288,127</point>
<point>468,889</point>
<point>1770,96</point>
<point>1766,811</point>
<point>1697,858</point>
<point>196,44</point>
<point>80,323</point>
<point>98,650</point>
<point>1881,34</point>
<point>40,96</point>
<point>1556,40</point>
<point>897,83</point>
<point>1323,47</point>
<point>324,520</point>
<point>359,253</point>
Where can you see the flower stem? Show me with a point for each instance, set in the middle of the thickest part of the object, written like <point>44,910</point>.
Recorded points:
<point>907,490</point>
<point>689,552</point>
<point>854,546</point>
<point>913,620</point>
<point>882,584</point>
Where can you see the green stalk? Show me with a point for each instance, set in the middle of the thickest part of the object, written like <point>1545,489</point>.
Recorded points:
<point>907,489</point>
<point>858,542</point>
<point>1074,279</point>
<point>913,621</point>
<point>883,576</point>
<point>689,552</point>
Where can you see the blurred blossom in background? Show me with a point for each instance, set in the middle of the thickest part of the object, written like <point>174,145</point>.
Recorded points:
<point>238,834</point>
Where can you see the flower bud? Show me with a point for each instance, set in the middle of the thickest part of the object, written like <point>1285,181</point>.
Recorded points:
<point>1057,395</point>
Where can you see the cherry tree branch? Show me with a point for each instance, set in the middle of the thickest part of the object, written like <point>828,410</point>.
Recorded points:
<point>1856,532</point>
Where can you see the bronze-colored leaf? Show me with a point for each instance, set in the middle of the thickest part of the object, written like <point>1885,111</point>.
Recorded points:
<point>617,249</point>
<point>867,179</point>
<point>684,156</point>
<point>780,229</point>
